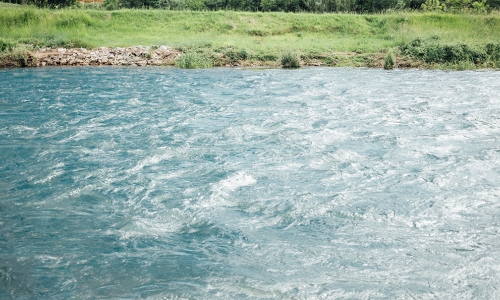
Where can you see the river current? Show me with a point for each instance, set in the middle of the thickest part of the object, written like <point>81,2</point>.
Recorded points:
<point>319,183</point>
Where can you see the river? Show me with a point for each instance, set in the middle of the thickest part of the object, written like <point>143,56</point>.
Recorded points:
<point>318,183</point>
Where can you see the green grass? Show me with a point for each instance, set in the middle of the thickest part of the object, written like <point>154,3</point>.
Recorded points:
<point>262,36</point>
<point>193,60</point>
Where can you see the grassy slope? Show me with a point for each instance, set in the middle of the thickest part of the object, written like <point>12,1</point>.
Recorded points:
<point>258,33</point>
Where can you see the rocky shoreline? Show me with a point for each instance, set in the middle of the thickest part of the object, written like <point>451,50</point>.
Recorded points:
<point>131,56</point>
<point>166,56</point>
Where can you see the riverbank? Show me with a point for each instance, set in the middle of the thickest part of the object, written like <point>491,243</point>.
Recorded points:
<point>224,38</point>
<point>139,56</point>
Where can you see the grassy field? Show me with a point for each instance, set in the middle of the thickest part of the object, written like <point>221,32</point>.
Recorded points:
<point>262,36</point>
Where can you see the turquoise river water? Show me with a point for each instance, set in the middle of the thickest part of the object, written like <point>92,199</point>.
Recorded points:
<point>319,183</point>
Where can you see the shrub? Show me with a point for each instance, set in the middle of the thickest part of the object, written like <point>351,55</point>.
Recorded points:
<point>236,55</point>
<point>15,56</point>
<point>193,61</point>
<point>432,52</point>
<point>5,46</point>
<point>290,60</point>
<point>389,60</point>
<point>493,51</point>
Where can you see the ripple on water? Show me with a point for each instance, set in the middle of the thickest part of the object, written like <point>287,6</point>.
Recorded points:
<point>162,183</point>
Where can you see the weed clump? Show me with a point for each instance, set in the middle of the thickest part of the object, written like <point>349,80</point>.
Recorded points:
<point>290,60</point>
<point>193,61</point>
<point>389,60</point>
<point>16,55</point>
<point>431,51</point>
<point>5,45</point>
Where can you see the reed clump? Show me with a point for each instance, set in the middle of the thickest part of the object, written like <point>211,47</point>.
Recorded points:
<point>192,60</point>
<point>389,60</point>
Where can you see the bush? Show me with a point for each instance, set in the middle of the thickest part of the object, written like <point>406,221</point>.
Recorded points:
<point>193,61</point>
<point>290,60</point>
<point>493,51</point>
<point>236,55</point>
<point>15,56</point>
<point>432,52</point>
<point>389,60</point>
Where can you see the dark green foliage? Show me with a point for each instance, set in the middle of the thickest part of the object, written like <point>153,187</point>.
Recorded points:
<point>414,4</point>
<point>53,3</point>
<point>266,56</point>
<point>431,51</point>
<point>257,32</point>
<point>239,5</point>
<point>283,5</point>
<point>493,3</point>
<point>493,52</point>
<point>236,55</point>
<point>45,3</point>
<point>111,4</point>
<point>318,6</point>
<point>155,4</point>
<point>5,46</point>
<point>290,60</point>
<point>375,5</point>
<point>330,5</point>
<point>245,5</point>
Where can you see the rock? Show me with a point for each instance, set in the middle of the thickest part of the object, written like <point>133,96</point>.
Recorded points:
<point>131,56</point>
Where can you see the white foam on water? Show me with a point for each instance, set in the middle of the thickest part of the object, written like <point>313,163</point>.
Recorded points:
<point>135,102</point>
<point>238,180</point>
<point>164,224</point>
<point>51,176</point>
<point>151,161</point>
<point>220,192</point>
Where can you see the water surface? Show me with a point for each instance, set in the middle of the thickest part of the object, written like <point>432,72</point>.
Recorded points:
<point>319,183</point>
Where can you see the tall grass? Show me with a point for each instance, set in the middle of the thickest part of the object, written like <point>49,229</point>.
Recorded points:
<point>193,61</point>
<point>389,60</point>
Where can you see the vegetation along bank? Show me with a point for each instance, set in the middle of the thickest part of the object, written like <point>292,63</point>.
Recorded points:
<point>30,36</point>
